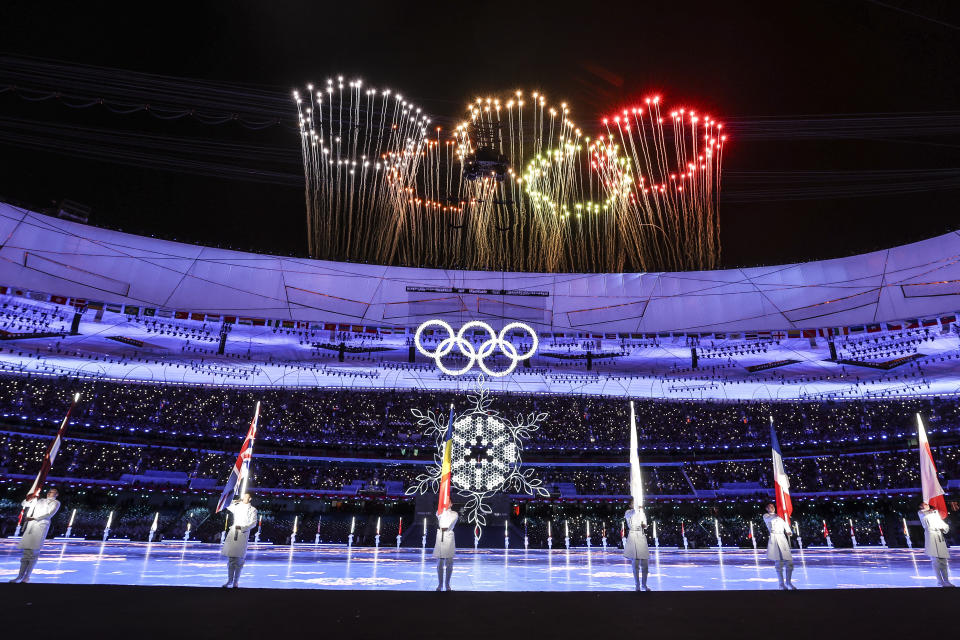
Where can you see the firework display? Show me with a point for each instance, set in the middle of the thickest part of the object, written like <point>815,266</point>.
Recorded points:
<point>514,175</point>
<point>663,179</point>
<point>361,149</point>
<point>516,186</point>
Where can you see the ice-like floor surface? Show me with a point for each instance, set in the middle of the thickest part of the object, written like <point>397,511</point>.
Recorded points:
<point>337,567</point>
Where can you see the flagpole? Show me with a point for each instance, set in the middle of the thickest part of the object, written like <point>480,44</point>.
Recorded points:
<point>51,454</point>
<point>253,436</point>
<point>240,472</point>
<point>443,498</point>
<point>226,527</point>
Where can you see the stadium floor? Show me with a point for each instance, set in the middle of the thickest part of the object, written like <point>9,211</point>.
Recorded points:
<point>334,567</point>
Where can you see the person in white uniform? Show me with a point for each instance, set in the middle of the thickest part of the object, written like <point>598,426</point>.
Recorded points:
<point>445,548</point>
<point>235,542</point>
<point>778,548</point>
<point>635,547</point>
<point>39,511</point>
<point>935,543</point>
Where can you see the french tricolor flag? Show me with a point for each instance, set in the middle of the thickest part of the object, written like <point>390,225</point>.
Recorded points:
<point>237,483</point>
<point>781,484</point>
<point>932,492</point>
<point>51,454</point>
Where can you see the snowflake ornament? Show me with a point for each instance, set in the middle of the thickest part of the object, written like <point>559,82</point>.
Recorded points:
<point>485,456</point>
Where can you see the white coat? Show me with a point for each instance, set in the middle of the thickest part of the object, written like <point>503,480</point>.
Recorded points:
<point>778,548</point>
<point>635,546</point>
<point>934,529</point>
<point>446,545</point>
<point>235,542</point>
<point>35,531</point>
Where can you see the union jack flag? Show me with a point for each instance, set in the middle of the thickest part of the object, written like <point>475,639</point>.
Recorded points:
<point>240,474</point>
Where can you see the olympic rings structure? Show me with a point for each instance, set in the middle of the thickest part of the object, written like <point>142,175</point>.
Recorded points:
<point>475,356</point>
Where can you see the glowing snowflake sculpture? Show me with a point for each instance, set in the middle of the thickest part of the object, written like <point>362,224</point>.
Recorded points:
<point>485,456</point>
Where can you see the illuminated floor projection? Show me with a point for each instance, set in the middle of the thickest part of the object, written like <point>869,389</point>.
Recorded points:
<point>336,567</point>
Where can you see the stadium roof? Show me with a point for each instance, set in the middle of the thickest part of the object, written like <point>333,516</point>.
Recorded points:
<point>876,325</point>
<point>65,258</point>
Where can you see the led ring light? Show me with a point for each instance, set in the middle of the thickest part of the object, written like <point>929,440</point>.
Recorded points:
<point>476,356</point>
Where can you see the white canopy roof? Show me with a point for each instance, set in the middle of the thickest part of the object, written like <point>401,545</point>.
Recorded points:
<point>64,258</point>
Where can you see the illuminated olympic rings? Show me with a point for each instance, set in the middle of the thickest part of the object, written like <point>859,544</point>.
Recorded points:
<point>476,356</point>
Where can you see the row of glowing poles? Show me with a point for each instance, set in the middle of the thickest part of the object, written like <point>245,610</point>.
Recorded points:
<point>506,525</point>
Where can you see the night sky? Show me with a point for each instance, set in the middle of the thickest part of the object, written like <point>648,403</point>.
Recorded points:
<point>744,63</point>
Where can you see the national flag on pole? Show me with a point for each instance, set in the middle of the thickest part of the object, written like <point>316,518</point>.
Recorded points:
<point>636,483</point>
<point>445,502</point>
<point>51,453</point>
<point>781,484</point>
<point>932,492</point>
<point>240,474</point>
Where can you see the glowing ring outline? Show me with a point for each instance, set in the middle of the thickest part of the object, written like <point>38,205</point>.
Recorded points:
<point>479,355</point>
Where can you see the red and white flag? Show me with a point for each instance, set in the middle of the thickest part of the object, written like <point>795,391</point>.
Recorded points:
<point>932,492</point>
<point>237,483</point>
<point>51,454</point>
<point>781,483</point>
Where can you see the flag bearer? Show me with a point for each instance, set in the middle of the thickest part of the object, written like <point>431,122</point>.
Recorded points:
<point>235,543</point>
<point>935,544</point>
<point>635,547</point>
<point>778,548</point>
<point>635,544</point>
<point>39,511</point>
<point>445,547</point>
